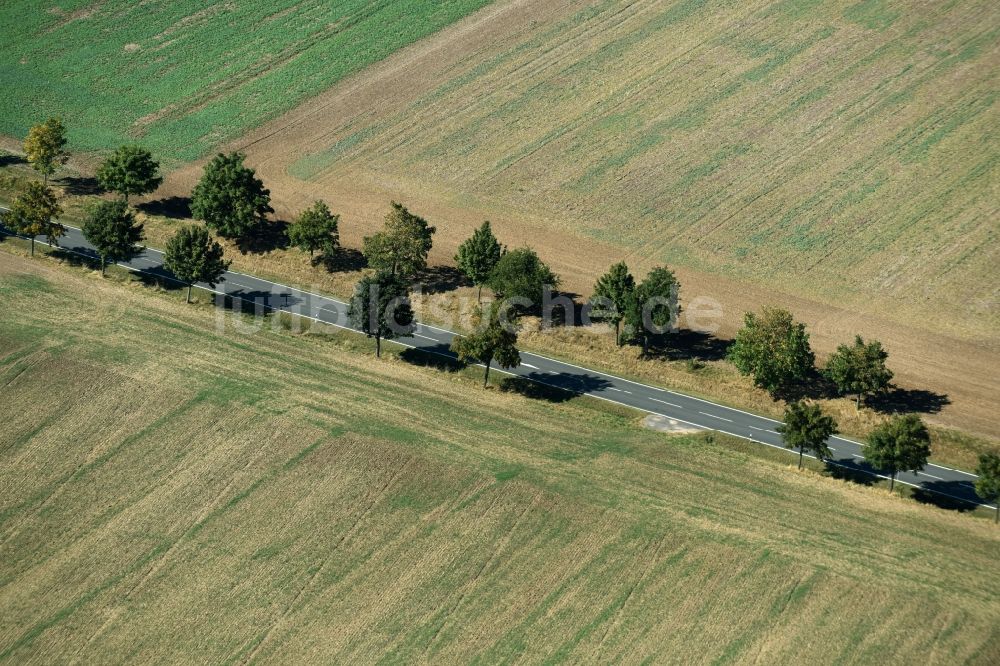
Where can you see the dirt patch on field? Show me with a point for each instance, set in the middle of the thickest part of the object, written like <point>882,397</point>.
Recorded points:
<point>964,369</point>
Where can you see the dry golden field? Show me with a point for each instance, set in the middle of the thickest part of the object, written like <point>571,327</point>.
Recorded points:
<point>181,485</point>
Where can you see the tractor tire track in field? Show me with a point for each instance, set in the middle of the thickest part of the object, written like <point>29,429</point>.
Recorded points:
<point>157,565</point>
<point>376,497</point>
<point>471,583</point>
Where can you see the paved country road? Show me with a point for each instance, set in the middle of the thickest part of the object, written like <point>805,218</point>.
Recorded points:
<point>938,480</point>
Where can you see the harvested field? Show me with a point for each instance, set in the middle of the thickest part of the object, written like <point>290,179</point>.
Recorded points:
<point>180,486</point>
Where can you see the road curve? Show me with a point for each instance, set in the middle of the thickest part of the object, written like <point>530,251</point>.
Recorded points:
<point>695,412</point>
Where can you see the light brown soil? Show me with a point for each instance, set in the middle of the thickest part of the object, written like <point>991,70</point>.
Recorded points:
<point>966,370</point>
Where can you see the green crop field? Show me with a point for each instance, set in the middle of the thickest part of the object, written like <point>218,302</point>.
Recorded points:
<point>177,484</point>
<point>183,76</point>
<point>845,151</point>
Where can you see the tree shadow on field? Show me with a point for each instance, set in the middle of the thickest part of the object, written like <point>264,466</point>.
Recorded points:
<point>566,309</point>
<point>343,259</point>
<point>686,345</point>
<point>439,279</point>
<point>178,208</point>
<point>815,386</point>
<point>898,400</point>
<point>556,388</point>
<point>80,185</point>
<point>11,160</point>
<point>265,238</point>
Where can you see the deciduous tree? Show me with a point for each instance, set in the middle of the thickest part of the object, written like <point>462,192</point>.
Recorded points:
<point>33,213</point>
<point>520,274</point>
<point>654,308</point>
<point>316,229</point>
<point>807,428</point>
<point>192,256</point>
<point>773,348</point>
<point>901,444</point>
<point>859,369</point>
<point>401,247</point>
<point>988,483</point>
<point>130,170</point>
<point>495,340</point>
<point>45,147</point>
<point>616,288</point>
<point>380,308</point>
<point>230,198</point>
<point>112,229</point>
<point>478,255</point>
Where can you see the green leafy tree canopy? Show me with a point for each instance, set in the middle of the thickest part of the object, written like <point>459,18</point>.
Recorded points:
<point>614,292</point>
<point>130,170</point>
<point>859,369</point>
<point>478,255</point>
<point>33,213</point>
<point>380,308</point>
<point>193,256</point>
<point>772,348</point>
<point>401,247</point>
<point>653,310</point>
<point>807,428</point>
<point>316,229</point>
<point>520,274</point>
<point>112,229</point>
<point>900,444</point>
<point>45,147</point>
<point>495,340</point>
<point>988,483</point>
<point>230,198</point>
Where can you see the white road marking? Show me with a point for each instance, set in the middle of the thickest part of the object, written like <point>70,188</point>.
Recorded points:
<point>528,365</point>
<point>417,335</point>
<point>721,418</point>
<point>594,395</point>
<point>930,475</point>
<point>666,403</point>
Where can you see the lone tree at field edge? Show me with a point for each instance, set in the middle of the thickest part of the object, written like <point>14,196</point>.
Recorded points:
<point>401,247</point>
<point>617,289</point>
<point>902,444</point>
<point>45,147</point>
<point>521,275</point>
<point>494,340</point>
<point>859,369</point>
<point>988,483</point>
<point>130,170</point>
<point>316,229</point>
<point>33,213</point>
<point>112,229</point>
<point>478,255</point>
<point>380,308</point>
<point>653,308</point>
<point>773,348</point>
<point>807,428</point>
<point>230,198</point>
<point>192,256</point>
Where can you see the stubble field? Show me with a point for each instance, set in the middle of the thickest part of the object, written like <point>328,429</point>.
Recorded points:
<point>170,490</point>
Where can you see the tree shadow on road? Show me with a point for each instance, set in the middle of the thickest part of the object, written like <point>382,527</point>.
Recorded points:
<point>556,387</point>
<point>427,359</point>
<point>946,495</point>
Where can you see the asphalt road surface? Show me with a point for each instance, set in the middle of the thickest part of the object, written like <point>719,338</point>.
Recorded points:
<point>940,482</point>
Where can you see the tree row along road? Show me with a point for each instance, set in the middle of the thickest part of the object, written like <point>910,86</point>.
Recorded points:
<point>686,410</point>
